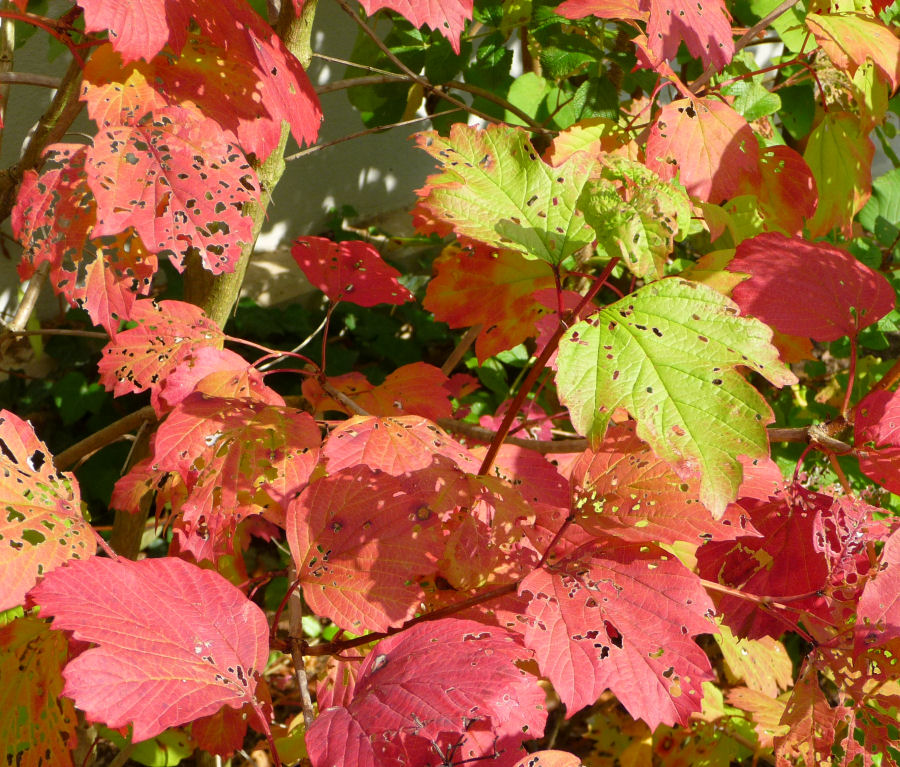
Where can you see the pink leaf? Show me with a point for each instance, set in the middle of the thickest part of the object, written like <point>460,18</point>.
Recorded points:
<point>174,642</point>
<point>707,144</point>
<point>449,18</point>
<point>349,271</point>
<point>622,618</point>
<point>443,677</point>
<point>877,437</point>
<point>878,611</point>
<point>845,296</point>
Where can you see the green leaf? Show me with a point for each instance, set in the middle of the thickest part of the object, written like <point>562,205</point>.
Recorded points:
<point>752,100</point>
<point>799,109</point>
<point>495,188</point>
<point>668,353</point>
<point>527,93</point>
<point>636,215</point>
<point>789,25</point>
<point>881,214</point>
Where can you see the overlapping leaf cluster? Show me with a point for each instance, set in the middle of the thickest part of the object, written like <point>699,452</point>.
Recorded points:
<point>657,276</point>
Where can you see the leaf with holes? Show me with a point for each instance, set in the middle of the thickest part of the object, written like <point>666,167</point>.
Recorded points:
<point>787,189</point>
<point>845,297</point>
<point>394,445</point>
<point>179,182</point>
<point>360,541</point>
<point>549,759</point>
<point>636,215</point>
<point>496,189</point>
<point>38,724</point>
<point>708,145</point>
<point>234,456</point>
<point>668,353</point>
<point>492,289</point>
<point>851,38</point>
<point>173,642</point>
<point>879,606</point>
<point>622,618</point>
<point>41,525</point>
<point>877,437</point>
<point>448,18</point>
<point>349,271</point>
<point>443,678</point>
<point>705,28</point>
<point>623,489</point>
<point>167,333</point>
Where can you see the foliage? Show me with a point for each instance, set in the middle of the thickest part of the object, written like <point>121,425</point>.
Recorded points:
<point>662,496</point>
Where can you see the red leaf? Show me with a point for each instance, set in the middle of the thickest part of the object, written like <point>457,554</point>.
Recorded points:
<point>349,271</point>
<point>624,489</point>
<point>393,445</point>
<point>493,289</point>
<point>707,144</point>
<point>140,358</point>
<point>449,18</point>
<point>622,618</point>
<point>704,27</point>
<point>845,296</point>
<point>41,526</point>
<point>177,180</point>
<point>174,642</point>
<point>877,437</point>
<point>139,28</point>
<point>549,759</point>
<point>878,612</point>
<point>787,189</point>
<point>442,677</point>
<point>378,537</point>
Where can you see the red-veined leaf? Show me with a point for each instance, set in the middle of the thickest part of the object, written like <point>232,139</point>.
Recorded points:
<point>621,617</point>
<point>360,540</point>
<point>178,181</point>
<point>707,144</point>
<point>493,289</point>
<point>41,524</point>
<point>167,333</point>
<point>448,676</point>
<point>349,271</point>
<point>174,642</point>
<point>449,18</point>
<point>845,297</point>
<point>877,437</point>
<point>38,726</point>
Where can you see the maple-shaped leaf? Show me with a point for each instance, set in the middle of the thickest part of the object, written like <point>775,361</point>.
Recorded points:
<point>38,725</point>
<point>492,289</point>
<point>360,540</point>
<point>349,271</point>
<point>449,18</point>
<point>623,489</point>
<point>839,154</point>
<point>851,38</point>
<point>877,437</point>
<point>178,181</point>
<point>707,144</point>
<point>442,677</point>
<point>668,353</point>
<point>139,28</point>
<point>234,456</point>
<point>782,562</point>
<point>845,297</point>
<point>636,215</point>
<point>414,389</point>
<point>394,445</point>
<point>496,189</point>
<point>41,526</point>
<point>140,358</point>
<point>787,189</point>
<point>704,27</point>
<point>173,642</point>
<point>118,94</point>
<point>622,617</point>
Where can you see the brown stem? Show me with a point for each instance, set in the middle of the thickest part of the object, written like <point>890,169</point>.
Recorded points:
<point>460,349</point>
<point>7,49</point>
<point>104,437</point>
<point>29,300</point>
<point>29,78</point>
<point>295,624</point>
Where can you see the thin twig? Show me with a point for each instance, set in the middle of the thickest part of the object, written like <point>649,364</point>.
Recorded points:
<point>460,349</point>
<point>295,629</point>
<point>29,300</point>
<point>343,398</point>
<point>104,437</point>
<point>29,78</point>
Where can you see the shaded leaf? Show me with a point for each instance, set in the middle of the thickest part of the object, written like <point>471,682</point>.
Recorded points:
<point>349,271</point>
<point>443,678</point>
<point>851,38</point>
<point>787,189</point>
<point>174,642</point>
<point>38,724</point>
<point>845,297</point>
<point>707,144</point>
<point>621,617</point>
<point>360,539</point>
<point>668,354</point>
<point>494,188</point>
<point>41,526</point>
<point>493,289</point>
